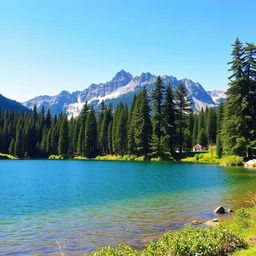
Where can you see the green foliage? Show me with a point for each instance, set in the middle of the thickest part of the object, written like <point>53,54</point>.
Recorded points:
<point>231,236</point>
<point>155,159</point>
<point>7,156</point>
<point>231,161</point>
<point>238,128</point>
<point>212,158</point>
<point>56,157</point>
<point>190,241</point>
<point>63,138</point>
<point>183,105</point>
<point>121,250</point>
<point>80,158</point>
<point>203,158</point>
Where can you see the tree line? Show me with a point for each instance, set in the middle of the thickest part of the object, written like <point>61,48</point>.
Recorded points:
<point>161,124</point>
<point>158,125</point>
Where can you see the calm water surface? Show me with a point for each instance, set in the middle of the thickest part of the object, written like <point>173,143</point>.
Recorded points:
<point>86,204</point>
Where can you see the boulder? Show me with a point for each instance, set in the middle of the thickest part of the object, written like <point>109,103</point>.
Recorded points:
<point>219,210</point>
<point>250,163</point>
<point>230,210</point>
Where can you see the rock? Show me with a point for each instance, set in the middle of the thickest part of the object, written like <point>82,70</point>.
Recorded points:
<point>250,163</point>
<point>196,222</point>
<point>230,210</point>
<point>212,223</point>
<point>219,210</point>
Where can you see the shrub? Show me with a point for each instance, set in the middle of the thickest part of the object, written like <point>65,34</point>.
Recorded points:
<point>140,158</point>
<point>80,158</point>
<point>7,156</point>
<point>156,159</point>
<point>203,158</point>
<point>231,161</point>
<point>56,157</point>
<point>121,250</point>
<point>190,241</point>
<point>129,157</point>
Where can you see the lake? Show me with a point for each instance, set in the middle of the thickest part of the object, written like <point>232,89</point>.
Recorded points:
<point>82,205</point>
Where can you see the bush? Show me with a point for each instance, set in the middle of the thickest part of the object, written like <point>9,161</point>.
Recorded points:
<point>80,158</point>
<point>7,156</point>
<point>156,159</point>
<point>196,241</point>
<point>203,158</point>
<point>231,161</point>
<point>121,158</point>
<point>56,157</point>
<point>190,241</point>
<point>140,158</point>
<point>109,157</point>
<point>129,157</point>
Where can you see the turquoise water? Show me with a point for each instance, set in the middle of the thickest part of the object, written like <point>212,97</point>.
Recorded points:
<point>82,205</point>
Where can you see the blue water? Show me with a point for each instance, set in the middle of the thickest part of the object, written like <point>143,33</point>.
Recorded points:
<point>82,205</point>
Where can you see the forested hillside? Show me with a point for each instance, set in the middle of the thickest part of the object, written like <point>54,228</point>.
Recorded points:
<point>7,104</point>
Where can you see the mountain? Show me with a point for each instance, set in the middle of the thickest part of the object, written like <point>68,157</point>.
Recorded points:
<point>217,96</point>
<point>7,104</point>
<point>121,88</point>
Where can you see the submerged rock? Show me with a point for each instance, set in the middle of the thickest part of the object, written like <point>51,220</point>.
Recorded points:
<point>196,222</point>
<point>212,223</point>
<point>219,210</point>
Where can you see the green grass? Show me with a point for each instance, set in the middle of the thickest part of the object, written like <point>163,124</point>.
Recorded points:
<point>248,252</point>
<point>233,236</point>
<point>7,156</point>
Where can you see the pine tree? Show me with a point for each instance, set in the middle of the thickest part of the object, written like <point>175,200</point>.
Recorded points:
<point>219,146</point>
<point>131,142</point>
<point>157,145</point>
<point>202,139</point>
<point>169,115</point>
<point>236,128</point>
<point>142,124</point>
<point>120,120</point>
<point>18,148</point>
<point>63,138</point>
<point>91,135</point>
<point>183,105</point>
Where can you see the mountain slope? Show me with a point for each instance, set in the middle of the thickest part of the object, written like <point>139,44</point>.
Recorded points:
<point>217,96</point>
<point>121,88</point>
<point>7,104</point>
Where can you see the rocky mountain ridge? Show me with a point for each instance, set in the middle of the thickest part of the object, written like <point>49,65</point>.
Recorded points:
<point>122,87</point>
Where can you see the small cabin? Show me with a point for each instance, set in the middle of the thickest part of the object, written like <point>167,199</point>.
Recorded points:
<point>198,147</point>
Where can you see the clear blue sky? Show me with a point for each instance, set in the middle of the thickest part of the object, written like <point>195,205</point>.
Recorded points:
<point>51,45</point>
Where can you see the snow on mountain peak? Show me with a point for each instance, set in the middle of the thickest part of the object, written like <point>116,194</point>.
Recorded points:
<point>122,87</point>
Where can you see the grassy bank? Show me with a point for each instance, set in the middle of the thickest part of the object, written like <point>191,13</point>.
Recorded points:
<point>236,235</point>
<point>6,156</point>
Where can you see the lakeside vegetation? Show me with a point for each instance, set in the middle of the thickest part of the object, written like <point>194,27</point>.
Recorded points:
<point>235,235</point>
<point>211,158</point>
<point>7,156</point>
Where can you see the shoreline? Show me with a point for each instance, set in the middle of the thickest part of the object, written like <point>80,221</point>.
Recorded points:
<point>233,235</point>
